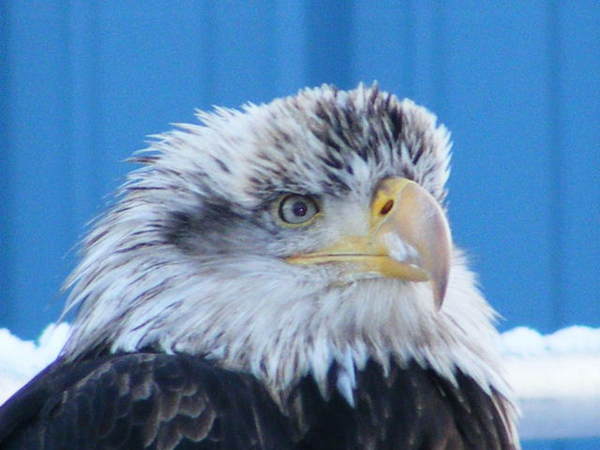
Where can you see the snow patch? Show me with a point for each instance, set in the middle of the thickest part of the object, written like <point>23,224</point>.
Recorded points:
<point>557,381</point>
<point>574,340</point>
<point>21,360</point>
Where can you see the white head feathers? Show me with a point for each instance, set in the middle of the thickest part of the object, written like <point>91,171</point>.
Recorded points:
<point>190,258</point>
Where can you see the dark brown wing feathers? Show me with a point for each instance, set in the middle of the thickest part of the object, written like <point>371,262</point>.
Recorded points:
<point>158,401</point>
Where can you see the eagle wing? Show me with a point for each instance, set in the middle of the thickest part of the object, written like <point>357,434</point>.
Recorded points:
<point>141,400</point>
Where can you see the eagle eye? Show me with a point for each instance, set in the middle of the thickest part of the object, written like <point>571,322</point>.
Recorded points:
<point>294,209</point>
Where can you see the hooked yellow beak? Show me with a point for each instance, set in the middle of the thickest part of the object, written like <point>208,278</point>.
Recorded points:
<point>403,210</point>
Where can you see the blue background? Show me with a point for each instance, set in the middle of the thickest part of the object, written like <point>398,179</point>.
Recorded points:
<point>517,83</point>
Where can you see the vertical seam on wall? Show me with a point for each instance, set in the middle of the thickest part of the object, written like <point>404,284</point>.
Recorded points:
<point>83,111</point>
<point>270,65</point>
<point>68,118</point>
<point>325,65</point>
<point>291,70</point>
<point>5,180</point>
<point>410,52</point>
<point>95,113</point>
<point>556,163</point>
<point>439,52</point>
<point>209,53</point>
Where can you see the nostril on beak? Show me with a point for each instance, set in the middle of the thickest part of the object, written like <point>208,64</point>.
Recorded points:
<point>387,207</point>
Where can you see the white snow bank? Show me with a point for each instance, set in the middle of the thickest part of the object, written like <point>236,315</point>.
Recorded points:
<point>557,380</point>
<point>556,377</point>
<point>565,363</point>
<point>525,342</point>
<point>21,360</point>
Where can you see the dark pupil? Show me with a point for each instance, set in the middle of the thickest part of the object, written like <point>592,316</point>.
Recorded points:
<point>299,209</point>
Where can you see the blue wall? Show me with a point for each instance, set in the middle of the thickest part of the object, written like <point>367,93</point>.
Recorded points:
<point>518,84</point>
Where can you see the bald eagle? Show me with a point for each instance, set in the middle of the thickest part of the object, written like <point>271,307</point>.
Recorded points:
<point>277,277</point>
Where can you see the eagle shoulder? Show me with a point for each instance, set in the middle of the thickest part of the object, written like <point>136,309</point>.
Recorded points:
<point>408,408</point>
<point>142,400</point>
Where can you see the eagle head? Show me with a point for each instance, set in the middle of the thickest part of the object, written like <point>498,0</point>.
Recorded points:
<point>283,238</point>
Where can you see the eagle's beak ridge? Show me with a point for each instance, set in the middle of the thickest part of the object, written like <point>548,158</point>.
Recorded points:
<point>417,219</point>
<point>409,239</point>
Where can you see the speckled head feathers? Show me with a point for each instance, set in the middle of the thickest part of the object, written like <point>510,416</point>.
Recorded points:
<point>321,140</point>
<point>190,258</point>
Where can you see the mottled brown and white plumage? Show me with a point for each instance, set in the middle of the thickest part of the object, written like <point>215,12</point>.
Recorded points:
<point>190,306</point>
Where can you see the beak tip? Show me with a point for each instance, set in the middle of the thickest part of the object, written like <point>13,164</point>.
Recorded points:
<point>438,297</point>
<point>440,288</point>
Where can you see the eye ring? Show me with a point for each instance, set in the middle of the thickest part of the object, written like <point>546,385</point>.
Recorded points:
<point>295,210</point>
